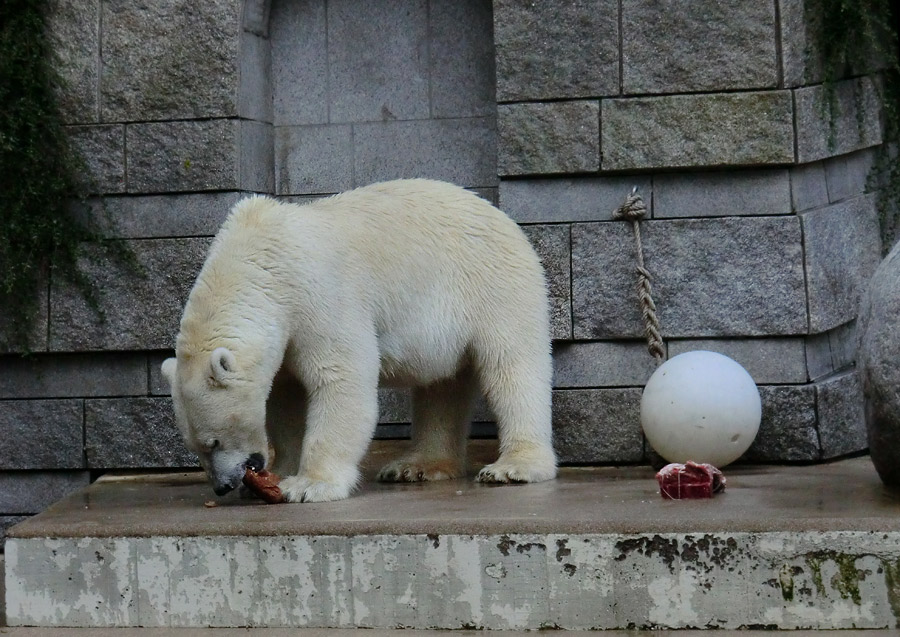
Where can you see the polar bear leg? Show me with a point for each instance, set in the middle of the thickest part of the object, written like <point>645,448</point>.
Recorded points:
<point>442,413</point>
<point>518,390</point>
<point>340,421</point>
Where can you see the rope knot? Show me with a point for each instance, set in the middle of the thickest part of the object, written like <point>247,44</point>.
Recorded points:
<point>633,209</point>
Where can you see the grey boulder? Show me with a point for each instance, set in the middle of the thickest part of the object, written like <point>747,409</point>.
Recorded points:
<point>878,362</point>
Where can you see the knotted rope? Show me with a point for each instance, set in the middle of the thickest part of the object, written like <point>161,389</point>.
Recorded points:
<point>633,210</point>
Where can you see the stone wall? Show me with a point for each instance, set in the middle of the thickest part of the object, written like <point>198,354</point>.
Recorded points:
<point>761,229</point>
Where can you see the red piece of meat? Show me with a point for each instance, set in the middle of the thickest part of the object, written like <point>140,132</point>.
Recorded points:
<point>689,481</point>
<point>264,484</point>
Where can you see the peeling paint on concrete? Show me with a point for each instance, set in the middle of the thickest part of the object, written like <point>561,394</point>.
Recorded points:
<point>593,581</point>
<point>466,583</point>
<point>892,581</point>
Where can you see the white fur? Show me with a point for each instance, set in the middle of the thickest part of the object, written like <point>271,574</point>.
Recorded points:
<point>408,283</point>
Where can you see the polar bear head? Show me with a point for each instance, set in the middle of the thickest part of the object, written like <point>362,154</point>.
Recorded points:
<point>220,411</point>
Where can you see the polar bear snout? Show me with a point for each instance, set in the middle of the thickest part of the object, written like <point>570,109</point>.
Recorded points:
<point>226,469</point>
<point>222,489</point>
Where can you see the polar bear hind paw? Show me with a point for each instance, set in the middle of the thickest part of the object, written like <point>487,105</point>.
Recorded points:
<point>303,489</point>
<point>506,471</point>
<point>411,470</point>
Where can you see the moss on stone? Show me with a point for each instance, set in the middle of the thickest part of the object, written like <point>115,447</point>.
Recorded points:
<point>892,581</point>
<point>860,36</point>
<point>845,581</point>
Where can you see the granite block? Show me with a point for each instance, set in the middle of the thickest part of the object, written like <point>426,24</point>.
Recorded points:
<point>159,216</point>
<point>602,364</point>
<point>804,42</point>
<point>842,342</point>
<point>35,337</point>
<point>102,149</point>
<point>463,76</point>
<point>808,187</point>
<point>848,175</point>
<point>681,131</point>
<point>403,431</point>
<point>818,356</point>
<point>141,312</point>
<point>831,351</point>
<point>172,59</point>
<point>557,137</point>
<point>556,50</point>
<point>133,433</point>
<point>41,434</point>
<point>801,41</point>
<point>828,126</point>
<point>392,431</point>
<point>302,200</point>
<point>711,277</point>
<point>552,244</point>
<point>722,194</point>
<point>570,199</point>
<point>299,63</point>
<point>698,45</point>
<point>257,162</point>
<point>377,61</point>
<point>597,426</point>
<point>842,424</point>
<point>491,195</point>
<point>73,37</point>
<point>313,159</point>
<point>395,413</point>
<point>787,432</point>
<point>482,413</point>
<point>255,93</point>
<point>27,492</point>
<point>158,385</point>
<point>72,376</point>
<point>255,19</point>
<point>165,157</point>
<point>394,405</point>
<point>842,250</point>
<point>461,151</point>
<point>767,360</point>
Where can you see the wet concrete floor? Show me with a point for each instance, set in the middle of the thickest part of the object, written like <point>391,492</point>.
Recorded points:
<point>842,495</point>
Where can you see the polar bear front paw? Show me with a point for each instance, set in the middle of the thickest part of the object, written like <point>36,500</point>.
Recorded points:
<point>517,470</point>
<point>413,470</point>
<point>303,489</point>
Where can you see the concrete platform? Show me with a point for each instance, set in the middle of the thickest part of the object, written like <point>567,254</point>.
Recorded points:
<point>784,547</point>
<point>337,632</point>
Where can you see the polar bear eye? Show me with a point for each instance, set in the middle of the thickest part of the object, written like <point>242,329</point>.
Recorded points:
<point>210,445</point>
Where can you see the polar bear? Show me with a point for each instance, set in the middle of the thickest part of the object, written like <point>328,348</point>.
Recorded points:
<point>301,311</point>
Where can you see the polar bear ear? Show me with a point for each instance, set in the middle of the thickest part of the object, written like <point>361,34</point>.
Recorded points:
<point>222,365</point>
<point>168,370</point>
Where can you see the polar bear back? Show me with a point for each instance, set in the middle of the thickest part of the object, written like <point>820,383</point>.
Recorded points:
<point>433,268</point>
<point>436,253</point>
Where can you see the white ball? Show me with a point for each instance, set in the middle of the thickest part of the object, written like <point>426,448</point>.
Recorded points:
<point>701,406</point>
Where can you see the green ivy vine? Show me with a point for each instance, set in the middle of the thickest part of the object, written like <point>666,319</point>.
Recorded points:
<point>859,36</point>
<point>43,207</point>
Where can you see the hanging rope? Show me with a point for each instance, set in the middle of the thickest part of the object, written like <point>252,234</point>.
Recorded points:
<point>633,210</point>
